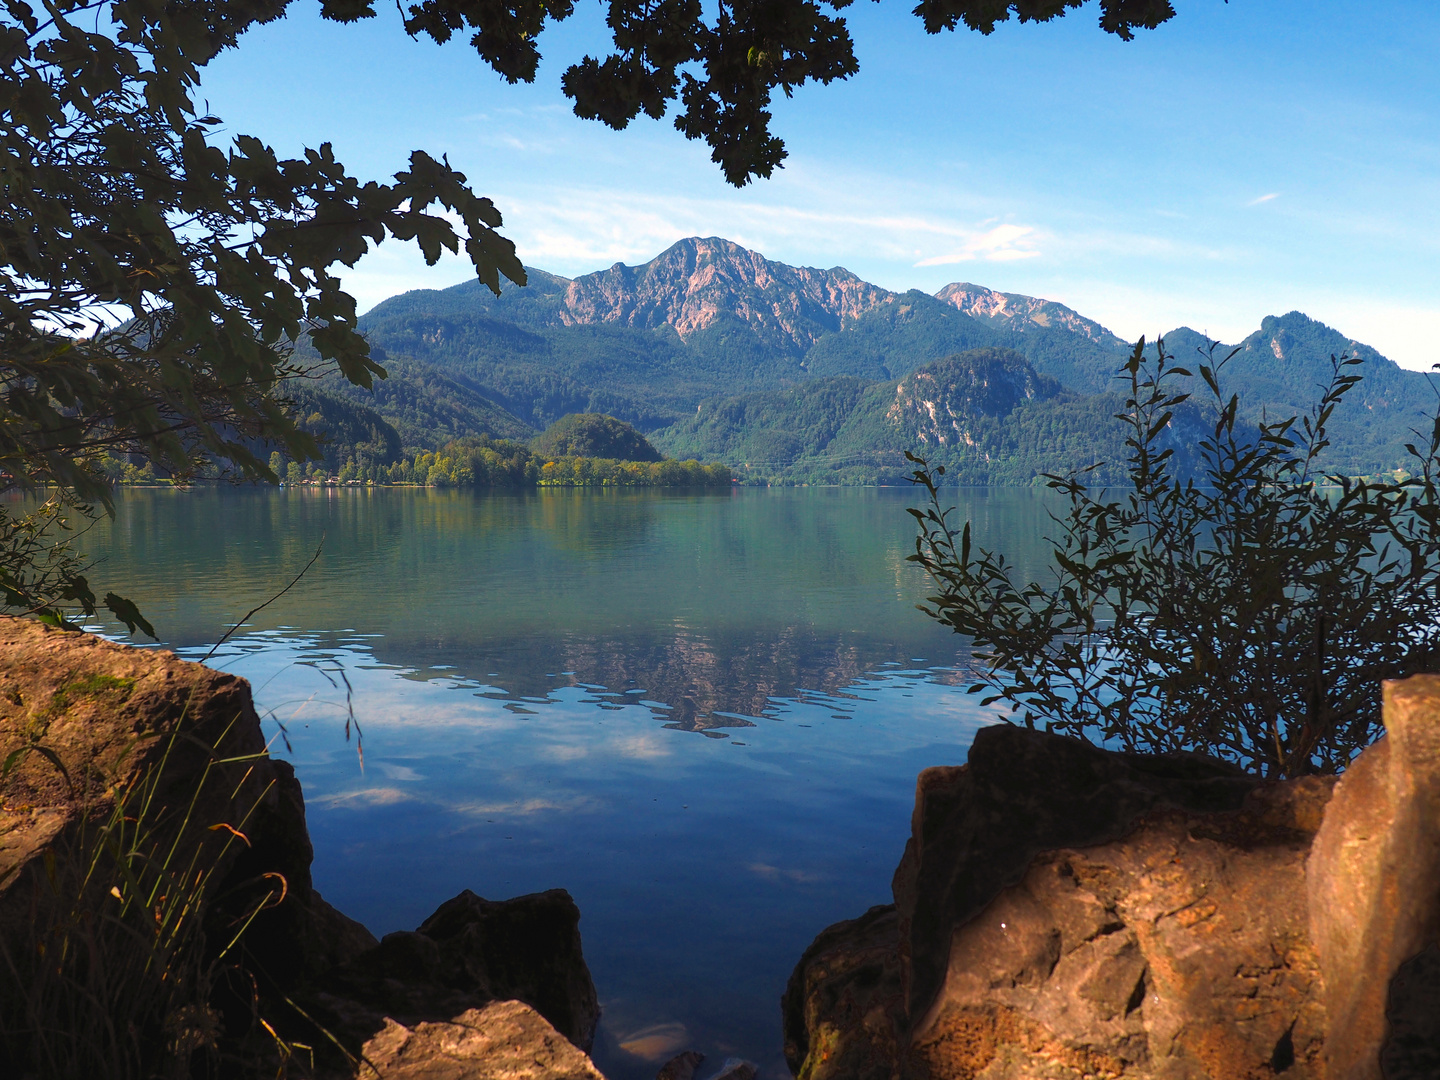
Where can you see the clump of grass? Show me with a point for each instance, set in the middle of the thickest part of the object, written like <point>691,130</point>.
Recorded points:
<point>120,978</point>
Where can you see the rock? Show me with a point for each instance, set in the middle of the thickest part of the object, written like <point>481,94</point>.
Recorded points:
<point>505,1040</point>
<point>1412,1043</point>
<point>106,714</point>
<point>1179,950</point>
<point>526,948</point>
<point>470,952</point>
<point>843,1004</point>
<point>977,828</point>
<point>1374,877</point>
<point>112,715</point>
<point>681,1066</point>
<point>736,1069</point>
<point>1065,912</point>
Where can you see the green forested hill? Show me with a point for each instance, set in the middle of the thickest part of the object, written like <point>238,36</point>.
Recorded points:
<point>1279,368</point>
<point>428,407</point>
<point>713,351</point>
<point>985,414</point>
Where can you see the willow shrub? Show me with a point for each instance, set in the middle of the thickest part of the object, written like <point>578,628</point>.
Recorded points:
<point>1229,599</point>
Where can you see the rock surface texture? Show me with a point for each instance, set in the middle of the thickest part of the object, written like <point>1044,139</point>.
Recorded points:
<point>469,953</point>
<point>1063,912</point>
<point>505,1040</point>
<point>698,282</point>
<point>83,721</point>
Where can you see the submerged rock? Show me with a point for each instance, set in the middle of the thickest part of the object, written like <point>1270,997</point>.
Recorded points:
<point>736,1069</point>
<point>1066,912</point>
<point>681,1066</point>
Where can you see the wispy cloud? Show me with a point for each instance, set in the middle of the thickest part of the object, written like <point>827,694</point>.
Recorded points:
<point>354,800</point>
<point>775,873</point>
<point>1263,199</point>
<point>1003,243</point>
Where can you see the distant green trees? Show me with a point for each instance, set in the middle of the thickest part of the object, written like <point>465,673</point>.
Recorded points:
<point>584,472</point>
<point>594,435</point>
<point>485,462</point>
<point>1239,603</point>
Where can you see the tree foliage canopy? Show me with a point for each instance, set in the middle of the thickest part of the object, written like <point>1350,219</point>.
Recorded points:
<point>594,435</point>
<point>723,69</point>
<point>153,282</point>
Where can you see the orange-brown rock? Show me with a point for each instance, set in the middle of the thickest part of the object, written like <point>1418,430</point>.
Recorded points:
<point>1374,880</point>
<point>505,1040</point>
<point>1065,913</point>
<point>84,721</point>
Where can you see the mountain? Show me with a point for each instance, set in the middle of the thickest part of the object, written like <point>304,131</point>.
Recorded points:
<point>699,286</point>
<point>428,407</point>
<point>346,430</point>
<point>712,350</point>
<point>987,415</point>
<point>1024,314</point>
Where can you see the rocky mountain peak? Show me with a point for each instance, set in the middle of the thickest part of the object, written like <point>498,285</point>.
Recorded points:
<point>698,282</point>
<point>1018,312</point>
<point>938,404</point>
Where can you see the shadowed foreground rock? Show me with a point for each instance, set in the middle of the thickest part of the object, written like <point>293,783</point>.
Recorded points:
<point>469,953</point>
<point>1064,913</point>
<point>434,1002</point>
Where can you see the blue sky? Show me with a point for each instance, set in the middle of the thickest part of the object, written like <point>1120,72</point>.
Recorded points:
<point>1245,159</point>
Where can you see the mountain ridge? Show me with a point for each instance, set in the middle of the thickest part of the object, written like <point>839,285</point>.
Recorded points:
<point>709,324</point>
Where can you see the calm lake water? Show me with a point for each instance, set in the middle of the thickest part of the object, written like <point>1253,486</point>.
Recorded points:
<point>702,714</point>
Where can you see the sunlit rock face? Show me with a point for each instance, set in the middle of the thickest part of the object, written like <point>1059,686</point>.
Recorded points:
<point>697,282</point>
<point>1021,313</point>
<point>939,404</point>
<point>1065,912</point>
<point>505,1039</point>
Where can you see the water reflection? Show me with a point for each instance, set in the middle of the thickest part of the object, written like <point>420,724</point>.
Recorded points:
<point>702,867</point>
<point>530,672</point>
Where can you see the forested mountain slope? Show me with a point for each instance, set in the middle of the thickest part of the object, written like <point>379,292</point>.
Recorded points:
<point>715,351</point>
<point>987,415</point>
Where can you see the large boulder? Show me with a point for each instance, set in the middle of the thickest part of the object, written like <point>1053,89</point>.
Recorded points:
<point>1066,912</point>
<point>105,747</point>
<point>470,952</point>
<point>85,722</point>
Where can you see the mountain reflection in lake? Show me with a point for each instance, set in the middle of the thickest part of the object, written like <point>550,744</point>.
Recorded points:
<point>533,673</point>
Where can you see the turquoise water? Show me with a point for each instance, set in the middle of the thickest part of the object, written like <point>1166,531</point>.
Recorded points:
<point>702,714</point>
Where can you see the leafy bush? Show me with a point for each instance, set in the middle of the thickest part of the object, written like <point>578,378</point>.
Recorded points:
<point>1228,599</point>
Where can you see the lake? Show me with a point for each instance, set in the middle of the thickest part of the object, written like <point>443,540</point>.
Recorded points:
<point>702,714</point>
